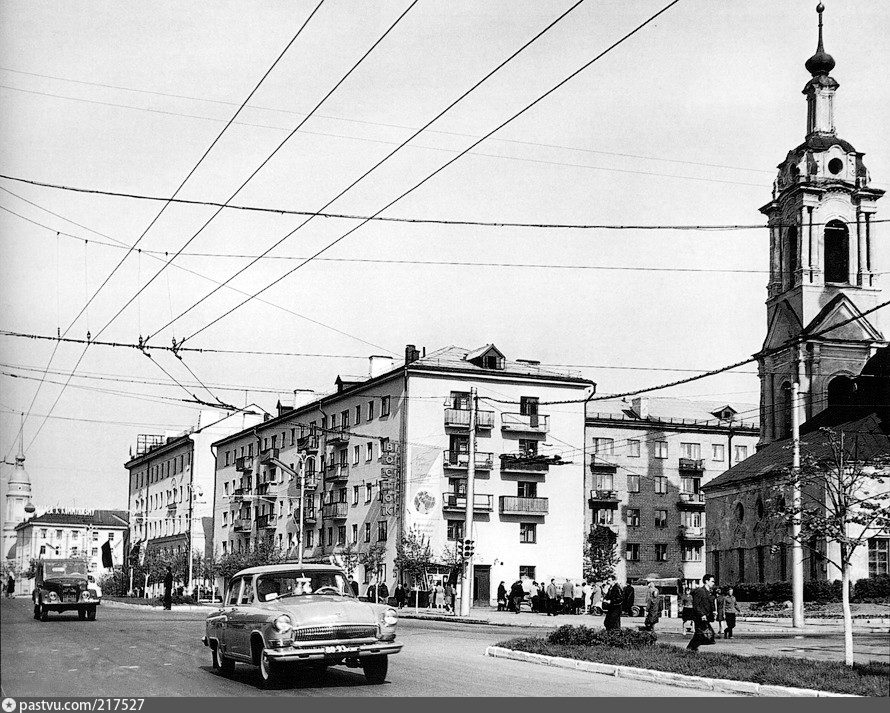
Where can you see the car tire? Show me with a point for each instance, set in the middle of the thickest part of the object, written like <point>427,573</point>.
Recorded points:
<point>36,611</point>
<point>221,663</point>
<point>82,614</point>
<point>91,614</point>
<point>270,671</point>
<point>43,612</point>
<point>375,668</point>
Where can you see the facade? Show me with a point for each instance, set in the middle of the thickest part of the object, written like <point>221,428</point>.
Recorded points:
<point>823,265</point>
<point>62,534</point>
<point>646,462</point>
<point>17,505</point>
<point>389,452</point>
<point>171,484</point>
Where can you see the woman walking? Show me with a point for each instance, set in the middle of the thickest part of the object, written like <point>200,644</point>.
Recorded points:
<point>721,610</point>
<point>687,612</point>
<point>730,610</point>
<point>502,597</point>
<point>653,607</point>
<point>612,604</point>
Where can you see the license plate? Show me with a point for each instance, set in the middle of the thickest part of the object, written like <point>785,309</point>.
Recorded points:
<point>69,598</point>
<point>340,649</point>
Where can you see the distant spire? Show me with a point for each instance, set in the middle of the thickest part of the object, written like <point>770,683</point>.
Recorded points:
<point>821,63</point>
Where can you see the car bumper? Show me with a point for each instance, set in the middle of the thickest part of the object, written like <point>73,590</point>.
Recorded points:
<point>328,652</point>
<point>69,606</point>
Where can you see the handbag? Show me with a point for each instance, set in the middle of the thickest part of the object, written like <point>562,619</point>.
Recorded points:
<point>708,636</point>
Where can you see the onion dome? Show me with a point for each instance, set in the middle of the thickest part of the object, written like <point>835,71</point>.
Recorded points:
<point>821,63</point>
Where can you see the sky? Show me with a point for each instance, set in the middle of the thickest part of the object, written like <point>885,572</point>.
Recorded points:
<point>682,124</point>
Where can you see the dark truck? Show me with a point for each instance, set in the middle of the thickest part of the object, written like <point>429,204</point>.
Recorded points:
<point>62,585</point>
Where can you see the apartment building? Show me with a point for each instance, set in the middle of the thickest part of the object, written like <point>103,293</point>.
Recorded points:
<point>171,480</point>
<point>390,452</point>
<point>647,459</point>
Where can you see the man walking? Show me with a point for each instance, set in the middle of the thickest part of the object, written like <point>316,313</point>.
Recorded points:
<point>653,607</point>
<point>552,593</point>
<point>568,596</point>
<point>703,614</point>
<point>168,589</point>
<point>612,604</point>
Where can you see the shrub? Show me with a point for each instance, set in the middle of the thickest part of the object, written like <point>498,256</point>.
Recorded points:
<point>175,599</point>
<point>568,635</point>
<point>872,588</point>
<point>818,591</point>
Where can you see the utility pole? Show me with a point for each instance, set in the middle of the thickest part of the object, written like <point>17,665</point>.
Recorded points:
<point>466,591</point>
<point>796,545</point>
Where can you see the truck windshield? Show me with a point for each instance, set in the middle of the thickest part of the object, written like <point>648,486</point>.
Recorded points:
<point>53,569</point>
<point>293,583</point>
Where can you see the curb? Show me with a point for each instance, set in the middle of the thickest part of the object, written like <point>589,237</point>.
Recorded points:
<point>671,679</point>
<point>153,607</point>
<point>467,620</point>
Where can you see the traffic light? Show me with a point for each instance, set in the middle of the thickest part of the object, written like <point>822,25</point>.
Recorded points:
<point>469,546</point>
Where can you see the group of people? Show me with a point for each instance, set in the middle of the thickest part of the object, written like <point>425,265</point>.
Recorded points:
<point>551,599</point>
<point>705,605</point>
<point>443,595</point>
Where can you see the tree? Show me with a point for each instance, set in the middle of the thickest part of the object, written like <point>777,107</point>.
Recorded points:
<point>349,557</point>
<point>845,499</point>
<point>600,555</point>
<point>413,557</point>
<point>373,559</point>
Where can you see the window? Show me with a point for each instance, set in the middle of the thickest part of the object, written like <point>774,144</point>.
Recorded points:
<point>384,406</point>
<point>718,453</point>
<point>341,535</point>
<point>42,533</point>
<point>661,552</point>
<point>633,517</point>
<point>342,493</point>
<point>528,532</point>
<point>692,519</point>
<point>369,452</point>
<point>369,492</point>
<point>527,571</point>
<point>604,446</point>
<point>356,454</point>
<point>492,361</point>
<point>528,405</point>
<point>525,489</point>
<point>310,538</point>
<point>690,450</point>
<point>367,532</point>
<point>633,483</point>
<point>661,518</point>
<point>661,484</point>
<point>358,415</point>
<point>605,481</point>
<point>225,518</point>
<point>234,592</point>
<point>247,591</point>
<point>227,455</point>
<point>741,452</point>
<point>740,559</point>
<point>632,552</point>
<point>661,449</point>
<point>690,485</point>
<point>381,531</point>
<point>455,530</point>
<point>355,495</point>
<point>633,449</point>
<point>837,252</point>
<point>73,552</point>
<point>526,445</point>
<point>878,556</point>
<point>604,516</point>
<point>330,536</point>
<point>75,534</point>
<point>692,553</point>
<point>59,535</point>
<point>370,410</point>
<point>761,563</point>
<point>344,419</point>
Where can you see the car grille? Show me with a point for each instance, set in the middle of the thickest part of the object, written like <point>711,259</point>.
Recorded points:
<point>342,631</point>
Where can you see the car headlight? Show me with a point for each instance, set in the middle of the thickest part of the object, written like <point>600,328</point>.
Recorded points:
<point>86,595</point>
<point>283,624</point>
<point>390,618</point>
<point>53,597</point>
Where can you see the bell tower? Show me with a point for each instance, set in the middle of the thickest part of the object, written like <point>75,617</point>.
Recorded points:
<point>822,267</point>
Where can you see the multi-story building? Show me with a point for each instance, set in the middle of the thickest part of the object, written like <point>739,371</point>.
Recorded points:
<point>63,534</point>
<point>171,484</point>
<point>647,460</point>
<point>390,452</point>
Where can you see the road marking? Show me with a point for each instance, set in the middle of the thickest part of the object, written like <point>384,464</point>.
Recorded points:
<point>95,648</point>
<point>32,671</point>
<point>168,664</point>
<point>54,651</point>
<point>71,670</point>
<point>133,646</point>
<point>129,667</point>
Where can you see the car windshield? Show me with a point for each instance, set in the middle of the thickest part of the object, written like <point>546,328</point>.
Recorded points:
<point>296,583</point>
<point>53,569</point>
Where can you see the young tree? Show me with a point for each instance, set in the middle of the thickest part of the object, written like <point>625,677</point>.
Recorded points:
<point>413,557</point>
<point>373,559</point>
<point>845,499</point>
<point>349,557</point>
<point>600,555</point>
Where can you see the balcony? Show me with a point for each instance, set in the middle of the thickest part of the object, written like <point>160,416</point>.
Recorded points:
<point>309,517</point>
<point>238,494</point>
<point>519,463</point>
<point>337,437</point>
<point>334,511</point>
<point>691,501</point>
<point>241,525</point>
<point>604,499</point>
<point>460,418</point>
<point>263,488</point>
<point>268,454</point>
<point>523,506</point>
<point>458,501</point>
<point>525,423</point>
<point>601,463</point>
<point>244,464</point>
<point>692,465</point>
<point>691,532</point>
<point>264,522</point>
<point>458,460</point>
<point>311,481</point>
<point>308,443</point>
<point>337,472</point>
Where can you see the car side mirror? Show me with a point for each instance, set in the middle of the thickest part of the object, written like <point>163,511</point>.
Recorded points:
<point>271,596</point>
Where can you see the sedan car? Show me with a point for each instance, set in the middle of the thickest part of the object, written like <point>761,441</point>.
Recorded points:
<point>286,616</point>
<point>61,585</point>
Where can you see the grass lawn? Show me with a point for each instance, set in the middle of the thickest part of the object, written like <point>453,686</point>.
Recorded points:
<point>872,679</point>
<point>830,610</point>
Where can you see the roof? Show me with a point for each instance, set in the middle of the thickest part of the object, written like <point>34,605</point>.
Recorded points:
<point>284,566</point>
<point>97,518</point>
<point>456,358</point>
<point>676,410</point>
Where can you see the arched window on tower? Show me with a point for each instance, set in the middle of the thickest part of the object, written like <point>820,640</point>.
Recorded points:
<point>793,250</point>
<point>841,390</point>
<point>837,252</point>
<point>783,417</point>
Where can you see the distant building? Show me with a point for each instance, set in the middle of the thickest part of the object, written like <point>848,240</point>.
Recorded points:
<point>646,461</point>
<point>171,484</point>
<point>388,452</point>
<point>63,534</point>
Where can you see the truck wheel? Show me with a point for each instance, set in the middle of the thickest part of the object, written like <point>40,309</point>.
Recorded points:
<point>36,611</point>
<point>82,614</point>
<point>43,612</point>
<point>375,668</point>
<point>91,614</point>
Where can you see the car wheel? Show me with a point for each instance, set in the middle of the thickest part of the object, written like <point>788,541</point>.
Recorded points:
<point>91,614</point>
<point>269,670</point>
<point>36,611</point>
<point>43,612</point>
<point>375,668</point>
<point>82,614</point>
<point>222,663</point>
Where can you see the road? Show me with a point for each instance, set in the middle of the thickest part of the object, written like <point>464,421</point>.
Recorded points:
<point>135,652</point>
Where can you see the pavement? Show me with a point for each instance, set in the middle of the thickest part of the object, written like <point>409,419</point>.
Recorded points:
<point>137,651</point>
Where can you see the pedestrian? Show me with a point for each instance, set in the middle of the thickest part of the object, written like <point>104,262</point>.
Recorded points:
<point>452,597</point>
<point>686,611</point>
<point>502,597</point>
<point>552,602</point>
<point>433,595</point>
<point>446,594</point>
<point>596,599</point>
<point>730,609</point>
<point>628,599</point>
<point>579,598</point>
<point>440,595</point>
<point>587,593</point>
<point>383,593</point>
<point>400,595</point>
<point>703,614</point>
<point>542,597</point>
<point>10,585</point>
<point>168,589</point>
<point>535,597</point>
<point>517,594</point>
<point>612,603</point>
<point>568,597</point>
<point>653,607</point>
<point>720,607</point>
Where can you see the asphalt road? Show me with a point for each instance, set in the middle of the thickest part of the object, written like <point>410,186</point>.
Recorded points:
<point>130,652</point>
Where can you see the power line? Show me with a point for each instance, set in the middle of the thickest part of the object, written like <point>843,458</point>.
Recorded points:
<point>717,227</point>
<point>442,167</point>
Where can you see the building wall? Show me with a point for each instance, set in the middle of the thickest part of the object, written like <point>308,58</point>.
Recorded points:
<point>648,467</point>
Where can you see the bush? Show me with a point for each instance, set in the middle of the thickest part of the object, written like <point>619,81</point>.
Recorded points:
<point>872,588</point>
<point>819,591</point>
<point>175,599</point>
<point>568,635</point>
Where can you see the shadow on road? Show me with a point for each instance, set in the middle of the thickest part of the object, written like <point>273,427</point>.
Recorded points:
<point>296,679</point>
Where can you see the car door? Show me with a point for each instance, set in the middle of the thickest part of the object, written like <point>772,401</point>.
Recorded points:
<point>220,623</point>
<point>238,621</point>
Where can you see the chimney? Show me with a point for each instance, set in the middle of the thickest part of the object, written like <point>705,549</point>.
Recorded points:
<point>411,354</point>
<point>378,365</point>
<point>640,406</point>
